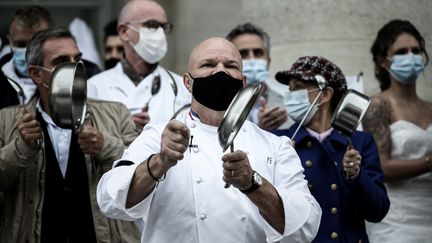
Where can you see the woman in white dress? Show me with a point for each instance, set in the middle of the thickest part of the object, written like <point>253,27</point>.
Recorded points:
<point>401,123</point>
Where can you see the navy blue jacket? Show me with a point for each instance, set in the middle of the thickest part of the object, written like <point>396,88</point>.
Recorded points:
<point>345,203</point>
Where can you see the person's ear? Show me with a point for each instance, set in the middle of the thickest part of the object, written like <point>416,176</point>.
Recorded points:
<point>327,94</point>
<point>122,32</point>
<point>268,63</point>
<point>384,62</point>
<point>188,82</point>
<point>35,74</point>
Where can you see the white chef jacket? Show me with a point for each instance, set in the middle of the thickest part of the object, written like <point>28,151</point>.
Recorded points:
<point>115,85</point>
<point>192,205</point>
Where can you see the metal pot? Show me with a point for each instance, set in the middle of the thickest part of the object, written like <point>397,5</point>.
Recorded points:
<point>68,95</point>
<point>237,113</point>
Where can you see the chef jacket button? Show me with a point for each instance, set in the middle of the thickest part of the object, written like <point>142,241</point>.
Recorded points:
<point>333,187</point>
<point>308,163</point>
<point>195,149</point>
<point>192,124</point>
<point>334,210</point>
<point>198,180</point>
<point>334,235</point>
<point>244,129</point>
<point>243,218</point>
<point>203,217</point>
<point>309,144</point>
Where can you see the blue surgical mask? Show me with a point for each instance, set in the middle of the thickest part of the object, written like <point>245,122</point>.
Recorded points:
<point>406,68</point>
<point>19,60</point>
<point>297,103</point>
<point>255,70</point>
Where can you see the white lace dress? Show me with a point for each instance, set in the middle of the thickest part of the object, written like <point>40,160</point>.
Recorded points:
<point>410,215</point>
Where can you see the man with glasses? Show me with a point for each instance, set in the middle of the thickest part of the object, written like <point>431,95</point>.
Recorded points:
<point>150,92</point>
<point>254,46</point>
<point>49,173</point>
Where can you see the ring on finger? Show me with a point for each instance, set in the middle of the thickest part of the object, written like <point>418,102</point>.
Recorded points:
<point>232,173</point>
<point>351,164</point>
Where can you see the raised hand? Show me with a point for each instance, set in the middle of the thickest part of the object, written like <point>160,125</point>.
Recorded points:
<point>271,118</point>
<point>174,143</point>
<point>351,163</point>
<point>90,140</point>
<point>141,118</point>
<point>29,128</point>
<point>237,170</point>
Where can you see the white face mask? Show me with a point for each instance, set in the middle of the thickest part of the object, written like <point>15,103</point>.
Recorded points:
<point>255,70</point>
<point>297,103</point>
<point>406,68</point>
<point>152,44</point>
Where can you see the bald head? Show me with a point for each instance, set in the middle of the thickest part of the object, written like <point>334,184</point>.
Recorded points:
<point>142,10</point>
<point>215,49</point>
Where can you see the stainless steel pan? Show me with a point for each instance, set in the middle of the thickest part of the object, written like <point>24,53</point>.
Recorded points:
<point>350,112</point>
<point>236,115</point>
<point>68,95</point>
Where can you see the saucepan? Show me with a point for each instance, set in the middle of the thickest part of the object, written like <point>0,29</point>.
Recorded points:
<point>350,112</point>
<point>68,96</point>
<point>236,114</point>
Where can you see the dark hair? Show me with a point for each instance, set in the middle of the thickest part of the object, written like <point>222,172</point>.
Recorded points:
<point>30,16</point>
<point>248,28</point>
<point>110,29</point>
<point>386,36</point>
<point>34,53</point>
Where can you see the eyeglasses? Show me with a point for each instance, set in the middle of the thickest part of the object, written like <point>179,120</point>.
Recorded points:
<point>154,25</point>
<point>110,49</point>
<point>256,52</point>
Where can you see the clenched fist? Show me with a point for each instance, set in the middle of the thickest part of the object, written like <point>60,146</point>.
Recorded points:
<point>175,138</point>
<point>90,140</point>
<point>29,128</point>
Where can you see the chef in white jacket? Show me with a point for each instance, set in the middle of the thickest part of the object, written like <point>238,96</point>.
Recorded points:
<point>173,175</point>
<point>149,91</point>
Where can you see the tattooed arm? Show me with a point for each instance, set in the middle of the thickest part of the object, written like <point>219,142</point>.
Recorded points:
<point>377,121</point>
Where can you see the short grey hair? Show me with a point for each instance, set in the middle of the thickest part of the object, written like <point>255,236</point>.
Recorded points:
<point>34,53</point>
<point>248,28</point>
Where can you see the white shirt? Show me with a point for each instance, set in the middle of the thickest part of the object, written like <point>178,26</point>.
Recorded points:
<point>27,84</point>
<point>115,85</point>
<point>60,139</point>
<point>192,205</point>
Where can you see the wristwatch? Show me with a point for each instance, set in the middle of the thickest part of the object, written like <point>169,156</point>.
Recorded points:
<point>256,183</point>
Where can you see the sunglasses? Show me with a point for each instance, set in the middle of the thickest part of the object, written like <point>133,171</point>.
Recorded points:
<point>249,53</point>
<point>154,25</point>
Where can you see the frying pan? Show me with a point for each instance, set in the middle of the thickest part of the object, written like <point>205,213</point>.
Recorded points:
<point>350,112</point>
<point>236,114</point>
<point>68,95</point>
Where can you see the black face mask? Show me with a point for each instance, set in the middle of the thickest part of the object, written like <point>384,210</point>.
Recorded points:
<point>216,91</point>
<point>110,63</point>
